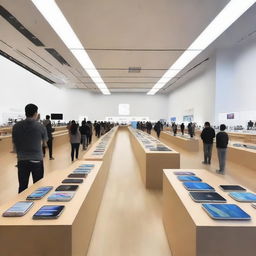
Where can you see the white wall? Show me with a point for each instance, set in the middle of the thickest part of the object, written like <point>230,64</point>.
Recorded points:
<point>98,106</point>
<point>19,87</point>
<point>195,95</point>
<point>235,81</point>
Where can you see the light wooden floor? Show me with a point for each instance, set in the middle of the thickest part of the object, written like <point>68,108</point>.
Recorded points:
<point>129,221</point>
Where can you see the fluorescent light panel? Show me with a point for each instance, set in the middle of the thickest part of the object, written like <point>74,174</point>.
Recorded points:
<point>52,13</point>
<point>233,10</point>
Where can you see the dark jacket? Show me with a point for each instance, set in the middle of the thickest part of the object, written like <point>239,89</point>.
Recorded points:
<point>208,135</point>
<point>222,140</point>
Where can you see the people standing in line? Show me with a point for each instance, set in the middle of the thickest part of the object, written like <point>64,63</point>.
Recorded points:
<point>207,136</point>
<point>75,139</point>
<point>48,125</point>
<point>182,128</point>
<point>97,129</point>
<point>28,136</point>
<point>222,144</point>
<point>89,135</point>
<point>149,127</point>
<point>157,129</point>
<point>190,130</point>
<point>83,131</point>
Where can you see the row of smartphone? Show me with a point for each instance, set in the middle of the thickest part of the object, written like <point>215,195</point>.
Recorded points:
<point>213,203</point>
<point>150,142</point>
<point>63,193</point>
<point>101,147</point>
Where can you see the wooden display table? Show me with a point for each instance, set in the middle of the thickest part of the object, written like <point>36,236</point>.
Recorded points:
<point>191,232</point>
<point>183,142</point>
<point>152,163</point>
<point>242,156</point>
<point>70,234</point>
<point>110,138</point>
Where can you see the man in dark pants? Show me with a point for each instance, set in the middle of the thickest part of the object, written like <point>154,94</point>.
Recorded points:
<point>221,144</point>
<point>207,136</point>
<point>157,129</point>
<point>50,130</point>
<point>28,136</point>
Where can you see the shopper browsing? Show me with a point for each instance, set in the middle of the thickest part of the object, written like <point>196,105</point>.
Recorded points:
<point>75,139</point>
<point>28,136</point>
<point>221,144</point>
<point>207,136</point>
<point>48,125</point>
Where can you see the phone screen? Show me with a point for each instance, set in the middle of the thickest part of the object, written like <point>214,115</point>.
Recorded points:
<point>40,192</point>
<point>20,208</point>
<point>49,211</point>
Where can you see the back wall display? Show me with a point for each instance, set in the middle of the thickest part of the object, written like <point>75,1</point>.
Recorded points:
<point>188,118</point>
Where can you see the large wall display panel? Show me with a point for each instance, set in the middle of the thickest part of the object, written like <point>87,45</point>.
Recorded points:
<point>195,93</point>
<point>189,229</point>
<point>68,235</point>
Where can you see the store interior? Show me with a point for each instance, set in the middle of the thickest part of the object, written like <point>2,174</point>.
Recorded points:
<point>130,203</point>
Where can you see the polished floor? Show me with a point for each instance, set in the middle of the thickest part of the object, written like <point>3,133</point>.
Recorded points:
<point>129,221</point>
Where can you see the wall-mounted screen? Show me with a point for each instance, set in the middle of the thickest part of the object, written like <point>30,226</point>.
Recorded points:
<point>231,116</point>
<point>173,119</point>
<point>55,116</point>
<point>124,109</point>
<point>188,118</point>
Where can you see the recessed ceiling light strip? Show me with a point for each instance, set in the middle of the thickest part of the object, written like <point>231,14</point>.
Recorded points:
<point>233,10</point>
<point>52,13</point>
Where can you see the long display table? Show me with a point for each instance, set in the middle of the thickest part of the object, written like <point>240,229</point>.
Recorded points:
<point>182,141</point>
<point>242,156</point>
<point>152,163</point>
<point>191,232</point>
<point>70,234</point>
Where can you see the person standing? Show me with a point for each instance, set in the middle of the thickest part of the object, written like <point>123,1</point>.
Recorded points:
<point>182,127</point>
<point>174,128</point>
<point>222,144</point>
<point>157,128</point>
<point>89,138</point>
<point>50,130</point>
<point>82,130</point>
<point>97,129</point>
<point>149,127</point>
<point>207,136</point>
<point>75,139</point>
<point>28,136</point>
<point>190,130</point>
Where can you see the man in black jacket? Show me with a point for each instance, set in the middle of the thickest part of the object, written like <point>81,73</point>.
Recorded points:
<point>207,136</point>
<point>221,144</point>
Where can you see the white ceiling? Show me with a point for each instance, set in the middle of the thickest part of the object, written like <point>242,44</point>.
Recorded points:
<point>118,34</point>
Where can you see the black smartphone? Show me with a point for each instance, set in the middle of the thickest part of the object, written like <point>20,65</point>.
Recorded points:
<point>232,188</point>
<point>77,175</point>
<point>49,212</point>
<point>67,188</point>
<point>73,181</point>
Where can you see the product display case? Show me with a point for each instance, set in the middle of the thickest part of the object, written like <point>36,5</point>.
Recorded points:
<point>183,141</point>
<point>191,231</point>
<point>67,235</point>
<point>152,162</point>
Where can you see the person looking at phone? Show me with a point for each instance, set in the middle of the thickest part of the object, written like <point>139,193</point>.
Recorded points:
<point>28,136</point>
